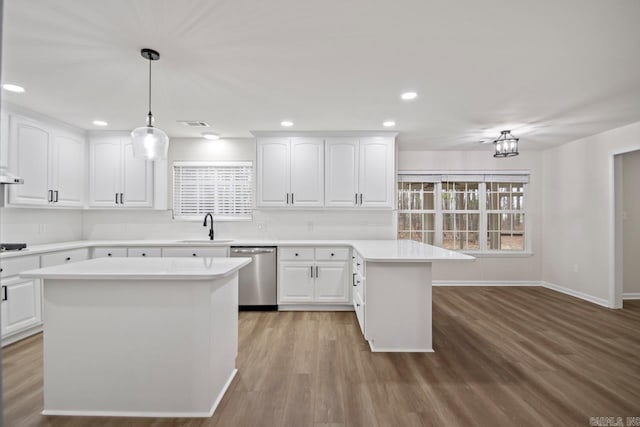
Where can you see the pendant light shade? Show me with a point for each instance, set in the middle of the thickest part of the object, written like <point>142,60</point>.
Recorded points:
<point>149,142</point>
<point>506,145</point>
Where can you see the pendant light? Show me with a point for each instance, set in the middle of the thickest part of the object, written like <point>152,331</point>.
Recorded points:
<point>506,145</point>
<point>150,143</point>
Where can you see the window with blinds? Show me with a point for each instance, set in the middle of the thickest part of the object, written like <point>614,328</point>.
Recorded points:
<point>224,189</point>
<point>473,211</point>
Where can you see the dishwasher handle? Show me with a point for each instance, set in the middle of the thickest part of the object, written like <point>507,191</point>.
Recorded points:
<point>253,251</point>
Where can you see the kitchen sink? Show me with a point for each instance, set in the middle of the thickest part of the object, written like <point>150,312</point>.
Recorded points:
<point>207,241</point>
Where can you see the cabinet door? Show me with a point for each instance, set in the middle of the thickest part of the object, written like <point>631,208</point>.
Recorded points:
<point>274,172</point>
<point>377,173</point>
<point>23,307</point>
<point>104,171</point>
<point>109,252</point>
<point>307,172</point>
<point>137,179</point>
<point>341,172</point>
<point>69,171</point>
<point>295,282</point>
<point>332,282</point>
<point>30,154</point>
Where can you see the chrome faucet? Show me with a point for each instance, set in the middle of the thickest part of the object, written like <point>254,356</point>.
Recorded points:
<point>211,232</point>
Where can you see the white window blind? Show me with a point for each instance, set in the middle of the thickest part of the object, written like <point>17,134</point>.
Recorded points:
<point>225,189</point>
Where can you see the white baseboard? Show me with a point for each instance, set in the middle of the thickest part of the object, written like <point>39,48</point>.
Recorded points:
<point>315,307</point>
<point>208,414</point>
<point>600,301</point>
<point>486,283</point>
<point>631,295</point>
<point>21,335</point>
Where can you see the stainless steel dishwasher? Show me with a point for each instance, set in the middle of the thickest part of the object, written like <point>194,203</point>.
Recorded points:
<point>258,289</point>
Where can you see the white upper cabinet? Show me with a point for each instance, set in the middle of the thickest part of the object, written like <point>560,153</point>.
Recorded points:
<point>50,160</point>
<point>274,172</point>
<point>290,172</point>
<point>341,182</point>
<point>307,172</point>
<point>116,177</point>
<point>69,170</point>
<point>376,179</point>
<point>360,172</point>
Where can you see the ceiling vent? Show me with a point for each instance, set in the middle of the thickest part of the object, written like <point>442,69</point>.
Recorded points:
<point>194,123</point>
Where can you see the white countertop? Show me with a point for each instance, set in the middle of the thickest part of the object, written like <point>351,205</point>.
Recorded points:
<point>142,269</point>
<point>370,250</point>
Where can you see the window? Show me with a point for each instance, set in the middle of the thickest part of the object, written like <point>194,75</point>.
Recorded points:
<point>225,189</point>
<point>469,212</point>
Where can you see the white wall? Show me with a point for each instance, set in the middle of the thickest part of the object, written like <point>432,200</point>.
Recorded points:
<point>631,222</point>
<point>39,226</point>
<point>493,270</point>
<point>576,209</point>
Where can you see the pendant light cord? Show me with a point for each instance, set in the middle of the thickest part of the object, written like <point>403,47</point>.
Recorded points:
<point>149,116</point>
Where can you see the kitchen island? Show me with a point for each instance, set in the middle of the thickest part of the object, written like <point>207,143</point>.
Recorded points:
<point>147,337</point>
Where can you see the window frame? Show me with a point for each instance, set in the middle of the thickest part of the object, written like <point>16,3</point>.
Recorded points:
<point>479,177</point>
<point>213,163</point>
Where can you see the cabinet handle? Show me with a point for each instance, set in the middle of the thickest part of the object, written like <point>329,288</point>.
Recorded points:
<point>116,198</point>
<point>317,272</point>
<point>121,200</point>
<point>356,198</point>
<point>360,199</point>
<point>353,279</point>
<point>68,258</point>
<point>56,194</point>
<point>287,198</point>
<point>109,254</point>
<point>292,202</point>
<point>5,296</point>
<point>296,254</point>
<point>144,254</point>
<point>50,199</point>
<point>357,305</point>
<point>332,254</point>
<point>311,271</point>
<point>194,254</point>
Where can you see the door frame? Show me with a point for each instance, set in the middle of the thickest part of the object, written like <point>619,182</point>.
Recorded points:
<point>615,224</point>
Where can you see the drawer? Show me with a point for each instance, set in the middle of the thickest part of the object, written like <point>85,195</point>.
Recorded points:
<point>220,251</point>
<point>296,254</point>
<point>110,252</point>
<point>332,254</point>
<point>14,266</point>
<point>63,257</point>
<point>143,252</point>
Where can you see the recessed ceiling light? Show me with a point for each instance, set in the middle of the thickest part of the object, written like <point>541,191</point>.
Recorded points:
<point>210,135</point>
<point>389,123</point>
<point>100,123</point>
<point>407,96</point>
<point>13,88</point>
<point>286,123</point>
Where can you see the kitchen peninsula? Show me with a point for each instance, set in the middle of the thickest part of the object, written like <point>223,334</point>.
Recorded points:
<point>152,337</point>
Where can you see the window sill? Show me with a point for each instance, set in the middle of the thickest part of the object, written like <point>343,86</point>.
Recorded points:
<point>498,254</point>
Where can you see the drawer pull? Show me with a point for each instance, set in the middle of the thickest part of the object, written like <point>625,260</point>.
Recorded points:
<point>68,258</point>
<point>108,254</point>
<point>5,296</point>
<point>332,254</point>
<point>357,305</point>
<point>296,253</point>
<point>194,254</point>
<point>144,254</point>
<point>353,279</point>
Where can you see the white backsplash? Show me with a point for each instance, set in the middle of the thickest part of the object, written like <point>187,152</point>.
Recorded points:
<point>40,226</point>
<point>266,224</point>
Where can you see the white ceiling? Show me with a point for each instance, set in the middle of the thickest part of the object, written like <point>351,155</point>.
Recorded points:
<point>554,70</point>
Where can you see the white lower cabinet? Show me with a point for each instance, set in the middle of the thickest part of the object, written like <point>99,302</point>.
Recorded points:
<point>305,277</point>
<point>63,257</point>
<point>21,305</point>
<point>296,282</point>
<point>332,282</point>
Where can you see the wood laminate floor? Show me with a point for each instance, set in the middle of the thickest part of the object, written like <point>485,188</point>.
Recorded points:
<point>503,357</point>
